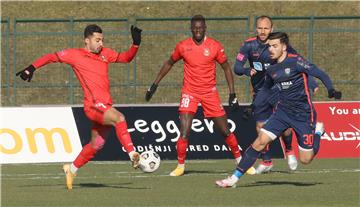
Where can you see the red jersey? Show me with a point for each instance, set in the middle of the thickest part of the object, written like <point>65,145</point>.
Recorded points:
<point>199,63</point>
<point>90,69</point>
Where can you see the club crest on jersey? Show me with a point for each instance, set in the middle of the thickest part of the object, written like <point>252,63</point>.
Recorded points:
<point>103,58</point>
<point>287,71</point>
<point>206,52</point>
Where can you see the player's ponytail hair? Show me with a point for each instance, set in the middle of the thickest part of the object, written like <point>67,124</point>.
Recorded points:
<point>91,29</point>
<point>284,38</point>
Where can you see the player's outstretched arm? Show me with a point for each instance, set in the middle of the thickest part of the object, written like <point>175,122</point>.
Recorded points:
<point>313,70</point>
<point>28,72</point>
<point>163,71</point>
<point>128,56</point>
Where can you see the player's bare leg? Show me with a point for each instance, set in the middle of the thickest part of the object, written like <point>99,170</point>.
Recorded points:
<point>182,143</point>
<point>117,119</point>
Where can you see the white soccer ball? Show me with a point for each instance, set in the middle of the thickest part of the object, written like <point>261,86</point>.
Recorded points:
<point>149,161</point>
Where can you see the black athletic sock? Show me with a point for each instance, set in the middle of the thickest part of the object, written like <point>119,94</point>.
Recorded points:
<point>316,145</point>
<point>287,141</point>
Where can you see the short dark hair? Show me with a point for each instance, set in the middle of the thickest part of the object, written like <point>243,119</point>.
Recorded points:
<point>264,17</point>
<point>91,29</point>
<point>198,17</point>
<point>284,38</point>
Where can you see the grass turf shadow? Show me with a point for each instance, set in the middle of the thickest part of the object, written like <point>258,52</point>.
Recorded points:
<point>272,183</point>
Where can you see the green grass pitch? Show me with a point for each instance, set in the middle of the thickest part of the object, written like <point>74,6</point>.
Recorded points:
<point>325,182</point>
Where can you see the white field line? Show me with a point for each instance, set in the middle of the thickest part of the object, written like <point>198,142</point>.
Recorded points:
<point>108,163</point>
<point>139,174</point>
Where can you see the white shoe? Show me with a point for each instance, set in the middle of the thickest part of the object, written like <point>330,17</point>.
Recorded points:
<point>319,129</point>
<point>291,160</point>
<point>228,182</point>
<point>264,168</point>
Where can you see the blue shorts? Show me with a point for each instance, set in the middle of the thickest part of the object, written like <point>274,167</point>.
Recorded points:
<point>303,126</point>
<point>263,105</point>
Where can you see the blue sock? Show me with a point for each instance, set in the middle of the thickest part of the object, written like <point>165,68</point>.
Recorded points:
<point>316,145</point>
<point>237,173</point>
<point>249,158</point>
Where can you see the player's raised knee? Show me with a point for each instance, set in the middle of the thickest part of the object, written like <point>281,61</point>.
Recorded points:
<point>305,160</point>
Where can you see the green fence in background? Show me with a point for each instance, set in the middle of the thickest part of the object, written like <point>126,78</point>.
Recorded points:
<point>332,43</point>
<point>5,60</point>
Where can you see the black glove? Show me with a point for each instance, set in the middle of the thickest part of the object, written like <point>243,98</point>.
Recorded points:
<point>150,92</point>
<point>27,73</point>
<point>136,35</point>
<point>233,102</point>
<point>332,93</point>
<point>247,113</point>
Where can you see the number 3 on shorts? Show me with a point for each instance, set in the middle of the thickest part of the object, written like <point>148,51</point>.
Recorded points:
<point>185,102</point>
<point>308,139</point>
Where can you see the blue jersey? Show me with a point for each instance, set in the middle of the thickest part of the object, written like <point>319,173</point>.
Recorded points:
<point>257,53</point>
<point>290,77</point>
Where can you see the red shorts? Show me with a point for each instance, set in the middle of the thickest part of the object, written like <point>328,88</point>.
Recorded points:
<point>95,112</point>
<point>210,102</point>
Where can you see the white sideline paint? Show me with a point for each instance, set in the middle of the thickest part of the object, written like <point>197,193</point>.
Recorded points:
<point>132,174</point>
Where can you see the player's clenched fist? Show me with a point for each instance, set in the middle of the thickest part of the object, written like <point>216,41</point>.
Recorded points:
<point>233,102</point>
<point>332,93</point>
<point>150,92</point>
<point>27,73</point>
<point>136,35</point>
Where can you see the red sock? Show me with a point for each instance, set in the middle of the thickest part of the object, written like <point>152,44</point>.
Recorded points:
<point>181,146</point>
<point>86,154</point>
<point>124,136</point>
<point>232,142</point>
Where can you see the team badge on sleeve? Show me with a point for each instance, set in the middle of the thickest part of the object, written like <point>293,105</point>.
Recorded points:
<point>258,66</point>
<point>240,57</point>
<point>303,63</point>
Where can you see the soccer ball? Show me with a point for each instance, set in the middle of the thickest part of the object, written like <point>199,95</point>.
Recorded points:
<point>149,161</point>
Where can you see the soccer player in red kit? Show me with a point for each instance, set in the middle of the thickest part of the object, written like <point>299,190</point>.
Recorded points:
<point>200,54</point>
<point>91,67</point>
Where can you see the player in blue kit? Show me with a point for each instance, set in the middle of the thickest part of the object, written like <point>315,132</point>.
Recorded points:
<point>294,110</point>
<point>255,50</point>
